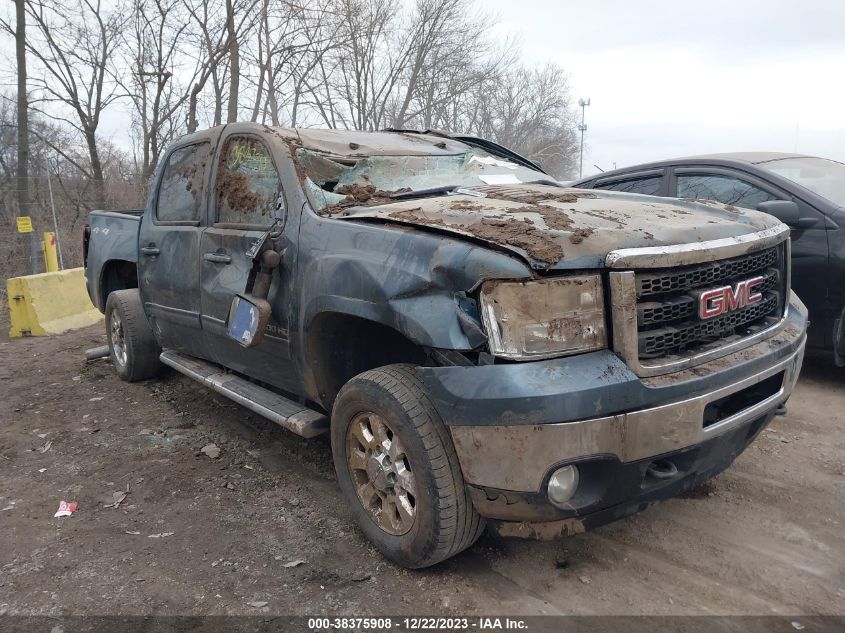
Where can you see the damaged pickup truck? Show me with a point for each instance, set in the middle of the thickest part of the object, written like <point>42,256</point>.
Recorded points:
<point>482,345</point>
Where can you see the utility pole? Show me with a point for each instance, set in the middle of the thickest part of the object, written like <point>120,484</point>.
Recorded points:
<point>24,200</point>
<point>583,127</point>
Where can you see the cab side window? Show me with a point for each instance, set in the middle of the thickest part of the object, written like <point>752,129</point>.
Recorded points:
<point>247,187</point>
<point>724,189</point>
<point>182,185</point>
<point>649,186</point>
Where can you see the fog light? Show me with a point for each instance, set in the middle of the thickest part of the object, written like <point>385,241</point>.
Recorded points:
<point>562,484</point>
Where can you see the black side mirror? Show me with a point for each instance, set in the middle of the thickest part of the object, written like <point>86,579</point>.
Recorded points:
<point>787,212</point>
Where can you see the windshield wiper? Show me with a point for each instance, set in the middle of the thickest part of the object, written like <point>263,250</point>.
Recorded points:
<point>446,190</point>
<point>437,191</point>
<point>481,143</point>
<point>544,181</point>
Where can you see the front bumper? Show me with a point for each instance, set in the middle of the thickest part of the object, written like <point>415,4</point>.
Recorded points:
<point>514,424</point>
<point>619,489</point>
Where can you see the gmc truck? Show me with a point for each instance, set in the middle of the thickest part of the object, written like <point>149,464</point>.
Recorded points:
<point>483,345</point>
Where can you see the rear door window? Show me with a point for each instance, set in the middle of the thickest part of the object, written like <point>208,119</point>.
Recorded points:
<point>182,184</point>
<point>724,189</point>
<point>649,185</point>
<point>247,186</point>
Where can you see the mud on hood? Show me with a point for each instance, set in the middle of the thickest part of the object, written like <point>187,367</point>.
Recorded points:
<point>555,228</point>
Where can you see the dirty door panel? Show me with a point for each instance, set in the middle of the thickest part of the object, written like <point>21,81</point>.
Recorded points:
<point>246,190</point>
<point>168,249</point>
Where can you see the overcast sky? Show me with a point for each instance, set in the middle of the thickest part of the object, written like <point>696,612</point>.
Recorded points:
<point>678,78</point>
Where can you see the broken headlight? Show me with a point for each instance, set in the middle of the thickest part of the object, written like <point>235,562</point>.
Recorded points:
<point>541,319</point>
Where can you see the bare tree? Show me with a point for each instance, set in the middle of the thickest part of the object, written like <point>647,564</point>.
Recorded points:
<point>388,66</point>
<point>234,62</point>
<point>450,53</point>
<point>529,110</point>
<point>73,45</point>
<point>215,36</point>
<point>174,65</point>
<point>209,49</point>
<point>289,42</point>
<point>154,75</point>
<point>369,64</point>
<point>50,143</point>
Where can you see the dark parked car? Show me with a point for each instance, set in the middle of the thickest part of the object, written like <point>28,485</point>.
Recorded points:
<point>805,192</point>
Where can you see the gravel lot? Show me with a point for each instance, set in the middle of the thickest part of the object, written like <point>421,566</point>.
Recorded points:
<point>197,535</point>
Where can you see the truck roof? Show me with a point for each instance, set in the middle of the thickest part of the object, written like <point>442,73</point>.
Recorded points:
<point>354,143</point>
<point>357,143</point>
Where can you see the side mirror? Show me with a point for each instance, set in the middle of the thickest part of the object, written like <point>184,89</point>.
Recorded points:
<point>250,312</point>
<point>787,212</point>
<point>248,318</point>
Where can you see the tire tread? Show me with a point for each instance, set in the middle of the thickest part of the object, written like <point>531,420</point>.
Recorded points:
<point>461,525</point>
<point>142,349</point>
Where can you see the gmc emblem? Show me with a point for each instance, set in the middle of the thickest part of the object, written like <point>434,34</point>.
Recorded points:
<point>718,301</point>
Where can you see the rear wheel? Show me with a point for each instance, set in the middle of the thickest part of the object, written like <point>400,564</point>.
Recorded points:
<point>397,467</point>
<point>133,348</point>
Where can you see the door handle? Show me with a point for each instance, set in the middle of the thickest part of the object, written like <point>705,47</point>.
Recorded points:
<point>150,250</point>
<point>217,258</point>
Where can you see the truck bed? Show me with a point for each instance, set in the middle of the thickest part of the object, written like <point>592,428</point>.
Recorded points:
<point>110,236</point>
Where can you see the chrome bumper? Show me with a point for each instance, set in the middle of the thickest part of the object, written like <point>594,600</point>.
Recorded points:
<point>518,458</point>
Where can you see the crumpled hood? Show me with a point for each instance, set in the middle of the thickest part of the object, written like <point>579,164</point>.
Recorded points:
<point>552,227</point>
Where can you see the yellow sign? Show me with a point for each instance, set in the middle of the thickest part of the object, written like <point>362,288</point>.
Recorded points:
<point>24,224</point>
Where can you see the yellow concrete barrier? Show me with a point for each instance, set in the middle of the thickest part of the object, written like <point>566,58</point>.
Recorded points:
<point>49,303</point>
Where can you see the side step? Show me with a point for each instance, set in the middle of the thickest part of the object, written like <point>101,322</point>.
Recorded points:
<point>284,412</point>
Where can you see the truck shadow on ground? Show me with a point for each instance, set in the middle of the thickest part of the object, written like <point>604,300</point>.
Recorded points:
<point>821,369</point>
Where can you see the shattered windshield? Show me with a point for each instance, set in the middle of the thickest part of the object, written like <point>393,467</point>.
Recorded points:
<point>331,180</point>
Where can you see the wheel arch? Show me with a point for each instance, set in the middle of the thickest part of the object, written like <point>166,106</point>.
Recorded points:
<point>116,274</point>
<point>341,345</point>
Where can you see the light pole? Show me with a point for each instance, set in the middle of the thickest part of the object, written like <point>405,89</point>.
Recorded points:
<point>583,127</point>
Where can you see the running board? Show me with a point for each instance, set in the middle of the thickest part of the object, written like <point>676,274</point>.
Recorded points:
<point>293,416</point>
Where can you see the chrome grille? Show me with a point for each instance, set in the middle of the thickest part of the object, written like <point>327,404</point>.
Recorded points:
<point>683,307</point>
<point>655,342</point>
<point>667,320</point>
<point>696,276</point>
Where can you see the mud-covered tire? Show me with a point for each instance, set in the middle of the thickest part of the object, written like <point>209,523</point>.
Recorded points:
<point>445,521</point>
<point>133,349</point>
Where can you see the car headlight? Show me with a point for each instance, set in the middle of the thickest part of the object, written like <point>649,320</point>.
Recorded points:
<point>546,318</point>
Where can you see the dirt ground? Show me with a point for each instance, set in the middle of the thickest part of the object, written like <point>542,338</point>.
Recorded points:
<point>197,535</point>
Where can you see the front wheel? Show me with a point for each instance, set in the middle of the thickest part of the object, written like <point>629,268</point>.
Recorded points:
<point>397,467</point>
<point>133,348</point>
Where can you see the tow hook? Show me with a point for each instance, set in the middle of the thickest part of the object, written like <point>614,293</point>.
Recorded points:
<point>662,469</point>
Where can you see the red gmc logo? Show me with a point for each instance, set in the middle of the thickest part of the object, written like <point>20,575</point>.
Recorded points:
<point>712,303</point>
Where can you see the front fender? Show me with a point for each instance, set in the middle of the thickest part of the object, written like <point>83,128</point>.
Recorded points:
<point>413,281</point>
